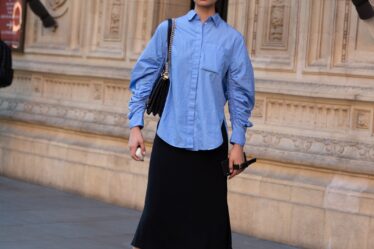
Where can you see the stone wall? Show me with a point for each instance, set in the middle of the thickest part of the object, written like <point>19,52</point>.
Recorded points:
<point>63,122</point>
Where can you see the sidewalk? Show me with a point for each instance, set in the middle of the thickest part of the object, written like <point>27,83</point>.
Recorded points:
<point>37,217</point>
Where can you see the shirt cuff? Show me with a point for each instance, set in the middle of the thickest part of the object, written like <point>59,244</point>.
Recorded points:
<point>137,119</point>
<point>238,133</point>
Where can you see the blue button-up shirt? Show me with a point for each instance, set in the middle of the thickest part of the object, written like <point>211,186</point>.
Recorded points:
<point>210,66</point>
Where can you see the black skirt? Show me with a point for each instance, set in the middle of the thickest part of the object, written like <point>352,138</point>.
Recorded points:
<point>186,199</point>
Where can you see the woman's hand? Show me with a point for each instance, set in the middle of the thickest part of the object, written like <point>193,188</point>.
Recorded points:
<point>136,140</point>
<point>235,157</point>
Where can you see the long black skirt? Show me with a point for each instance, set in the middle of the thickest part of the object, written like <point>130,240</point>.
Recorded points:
<point>186,199</point>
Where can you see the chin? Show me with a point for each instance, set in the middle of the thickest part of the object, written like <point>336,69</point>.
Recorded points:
<point>206,3</point>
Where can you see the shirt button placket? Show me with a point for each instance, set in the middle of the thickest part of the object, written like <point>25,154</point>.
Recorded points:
<point>193,88</point>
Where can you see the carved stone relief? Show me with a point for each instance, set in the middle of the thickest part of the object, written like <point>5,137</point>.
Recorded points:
<point>115,94</point>
<point>66,89</point>
<point>41,110</point>
<point>362,119</point>
<point>97,91</point>
<point>67,37</point>
<point>308,114</point>
<point>272,36</point>
<point>113,27</point>
<point>278,21</point>
<point>62,89</point>
<point>58,8</point>
<point>258,110</point>
<point>108,29</point>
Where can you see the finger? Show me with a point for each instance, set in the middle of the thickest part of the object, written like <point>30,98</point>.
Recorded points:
<point>142,146</point>
<point>132,150</point>
<point>234,173</point>
<point>135,158</point>
<point>133,153</point>
<point>231,165</point>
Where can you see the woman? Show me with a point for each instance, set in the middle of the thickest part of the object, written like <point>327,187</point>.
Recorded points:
<point>186,199</point>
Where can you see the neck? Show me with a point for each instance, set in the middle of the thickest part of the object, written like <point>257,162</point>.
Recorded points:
<point>205,12</point>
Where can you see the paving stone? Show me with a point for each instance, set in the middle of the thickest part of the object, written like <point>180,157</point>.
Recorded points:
<point>39,217</point>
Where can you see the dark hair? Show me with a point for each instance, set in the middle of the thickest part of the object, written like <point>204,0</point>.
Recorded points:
<point>221,8</point>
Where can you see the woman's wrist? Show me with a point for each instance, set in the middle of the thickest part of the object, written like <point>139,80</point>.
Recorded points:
<point>136,127</point>
<point>238,146</point>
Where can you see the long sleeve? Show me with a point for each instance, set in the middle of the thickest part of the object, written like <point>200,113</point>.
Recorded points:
<point>144,74</point>
<point>241,91</point>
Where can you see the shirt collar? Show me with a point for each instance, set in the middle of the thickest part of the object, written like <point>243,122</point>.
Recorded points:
<point>192,14</point>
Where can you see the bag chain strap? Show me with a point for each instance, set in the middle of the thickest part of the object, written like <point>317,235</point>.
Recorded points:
<point>165,74</point>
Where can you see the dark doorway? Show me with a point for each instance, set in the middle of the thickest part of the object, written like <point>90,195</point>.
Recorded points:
<point>221,8</point>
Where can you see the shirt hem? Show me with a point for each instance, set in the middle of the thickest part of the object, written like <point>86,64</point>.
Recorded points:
<point>187,148</point>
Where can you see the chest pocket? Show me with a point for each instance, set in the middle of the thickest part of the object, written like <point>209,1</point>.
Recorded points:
<point>212,58</point>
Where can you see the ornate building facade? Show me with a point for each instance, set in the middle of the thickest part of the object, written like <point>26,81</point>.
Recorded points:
<point>63,121</point>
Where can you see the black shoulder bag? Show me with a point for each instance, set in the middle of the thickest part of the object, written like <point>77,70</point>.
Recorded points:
<point>157,98</point>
